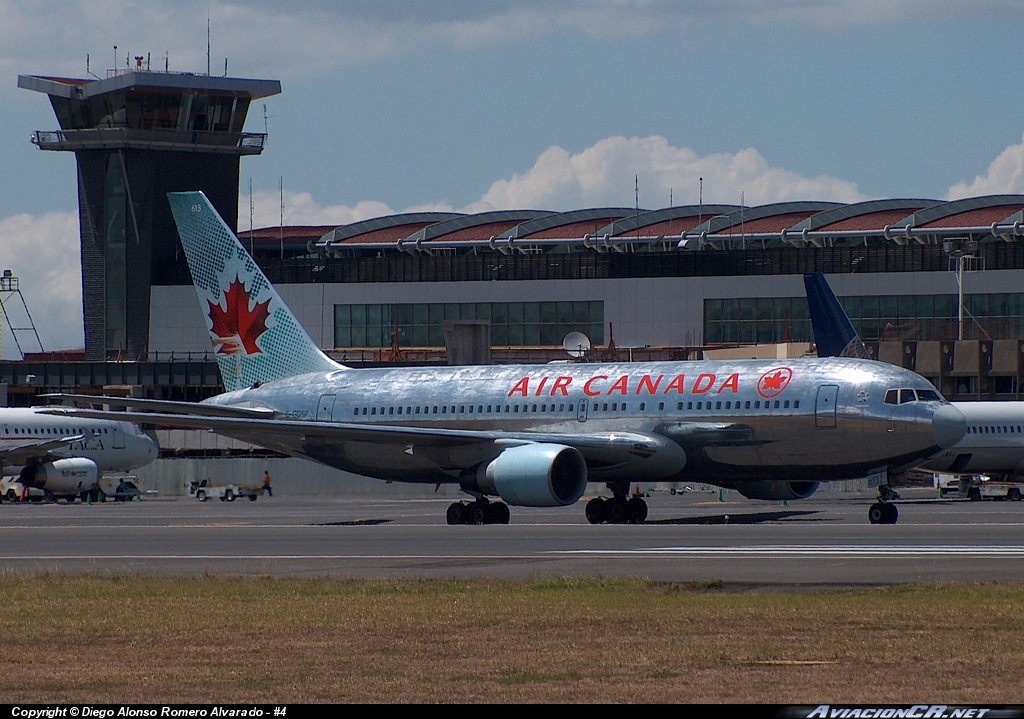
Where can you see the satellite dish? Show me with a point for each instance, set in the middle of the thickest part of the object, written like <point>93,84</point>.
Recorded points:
<point>576,344</point>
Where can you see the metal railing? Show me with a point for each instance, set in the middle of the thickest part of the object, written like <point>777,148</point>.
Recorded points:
<point>98,138</point>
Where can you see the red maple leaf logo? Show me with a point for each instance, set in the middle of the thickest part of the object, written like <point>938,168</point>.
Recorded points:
<point>774,381</point>
<point>236,328</point>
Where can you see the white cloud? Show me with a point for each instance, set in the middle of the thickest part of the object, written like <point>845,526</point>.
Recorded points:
<point>301,209</point>
<point>302,39</point>
<point>600,176</point>
<point>43,253</point>
<point>604,175</point>
<point>1005,176</point>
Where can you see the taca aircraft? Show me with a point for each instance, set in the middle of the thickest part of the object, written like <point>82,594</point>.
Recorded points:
<point>994,442</point>
<point>65,457</point>
<point>534,435</point>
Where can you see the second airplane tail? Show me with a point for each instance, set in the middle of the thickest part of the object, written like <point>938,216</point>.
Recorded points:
<point>833,331</point>
<point>256,338</point>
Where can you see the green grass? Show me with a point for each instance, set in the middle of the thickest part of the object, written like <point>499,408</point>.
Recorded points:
<point>212,639</point>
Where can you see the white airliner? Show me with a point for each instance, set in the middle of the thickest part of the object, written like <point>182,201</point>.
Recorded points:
<point>994,442</point>
<point>65,456</point>
<point>534,435</point>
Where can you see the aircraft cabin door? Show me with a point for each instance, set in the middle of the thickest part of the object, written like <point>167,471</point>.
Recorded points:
<point>581,411</point>
<point>118,438</point>
<point>325,408</point>
<point>825,406</point>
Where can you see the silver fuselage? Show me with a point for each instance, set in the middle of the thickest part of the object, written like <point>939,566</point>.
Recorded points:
<point>713,421</point>
<point>994,443</point>
<point>113,446</point>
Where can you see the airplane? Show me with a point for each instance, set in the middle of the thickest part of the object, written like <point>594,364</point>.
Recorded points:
<point>535,435</point>
<point>994,441</point>
<point>66,457</point>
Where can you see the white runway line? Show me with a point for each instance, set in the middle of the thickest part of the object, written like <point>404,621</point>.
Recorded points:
<point>748,552</point>
<point>793,551</point>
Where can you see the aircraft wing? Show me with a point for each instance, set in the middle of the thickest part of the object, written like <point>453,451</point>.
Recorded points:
<point>449,448</point>
<point>159,405</point>
<point>47,449</point>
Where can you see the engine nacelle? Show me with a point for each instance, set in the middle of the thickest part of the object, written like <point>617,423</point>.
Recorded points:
<point>776,490</point>
<point>535,475</point>
<point>63,476</point>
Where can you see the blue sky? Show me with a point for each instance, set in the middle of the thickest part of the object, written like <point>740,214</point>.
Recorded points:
<point>388,106</point>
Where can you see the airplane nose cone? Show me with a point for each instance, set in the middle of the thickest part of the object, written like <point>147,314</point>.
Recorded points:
<point>948,426</point>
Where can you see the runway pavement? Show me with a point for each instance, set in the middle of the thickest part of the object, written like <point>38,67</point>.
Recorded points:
<point>823,541</point>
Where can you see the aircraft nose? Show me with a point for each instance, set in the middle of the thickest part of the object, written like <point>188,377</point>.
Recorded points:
<point>948,426</point>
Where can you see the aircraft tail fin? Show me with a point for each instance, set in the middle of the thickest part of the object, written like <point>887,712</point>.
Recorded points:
<point>256,338</point>
<point>833,331</point>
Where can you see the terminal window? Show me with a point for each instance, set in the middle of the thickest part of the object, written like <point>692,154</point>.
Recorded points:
<point>513,324</point>
<point>875,318</point>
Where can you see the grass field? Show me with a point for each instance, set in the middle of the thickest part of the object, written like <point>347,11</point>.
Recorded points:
<point>266,640</point>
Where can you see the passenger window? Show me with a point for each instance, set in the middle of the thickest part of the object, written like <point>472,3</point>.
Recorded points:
<point>661,406</point>
<point>355,412</point>
<point>373,411</point>
<point>796,404</point>
<point>700,405</point>
<point>718,405</point>
<point>892,396</point>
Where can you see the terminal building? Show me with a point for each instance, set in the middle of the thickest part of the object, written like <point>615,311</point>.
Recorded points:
<point>669,283</point>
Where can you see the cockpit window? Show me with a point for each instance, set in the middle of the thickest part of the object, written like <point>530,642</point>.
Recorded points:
<point>907,395</point>
<point>892,396</point>
<point>928,395</point>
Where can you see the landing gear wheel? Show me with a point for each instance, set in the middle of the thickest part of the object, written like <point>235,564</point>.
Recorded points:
<point>478,512</point>
<point>876,513</point>
<point>883,513</point>
<point>893,514</point>
<point>596,510</point>
<point>617,510</point>
<point>456,513</point>
<point>637,510</point>
<point>498,513</point>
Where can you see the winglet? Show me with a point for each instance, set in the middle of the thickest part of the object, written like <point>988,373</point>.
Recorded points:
<point>833,331</point>
<point>256,338</point>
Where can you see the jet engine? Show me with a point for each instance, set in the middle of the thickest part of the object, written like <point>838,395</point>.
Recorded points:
<point>535,475</point>
<point>63,476</point>
<point>776,490</point>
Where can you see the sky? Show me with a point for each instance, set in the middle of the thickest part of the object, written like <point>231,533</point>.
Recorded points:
<point>548,104</point>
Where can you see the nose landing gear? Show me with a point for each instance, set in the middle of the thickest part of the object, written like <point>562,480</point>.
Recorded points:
<point>882,511</point>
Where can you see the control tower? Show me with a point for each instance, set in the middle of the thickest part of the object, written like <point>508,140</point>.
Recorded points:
<point>138,135</point>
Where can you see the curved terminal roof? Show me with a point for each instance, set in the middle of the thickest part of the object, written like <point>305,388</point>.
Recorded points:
<point>968,212</point>
<point>668,221</point>
<point>867,216</point>
<point>390,228</point>
<point>566,224</point>
<point>764,218</point>
<point>481,226</point>
<point>999,216</point>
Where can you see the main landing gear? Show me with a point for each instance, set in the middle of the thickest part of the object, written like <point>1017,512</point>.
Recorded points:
<point>479,512</point>
<point>882,512</point>
<point>620,509</point>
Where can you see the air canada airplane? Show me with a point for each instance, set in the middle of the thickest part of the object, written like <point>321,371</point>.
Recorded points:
<point>994,442</point>
<point>534,435</point>
<point>65,457</point>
